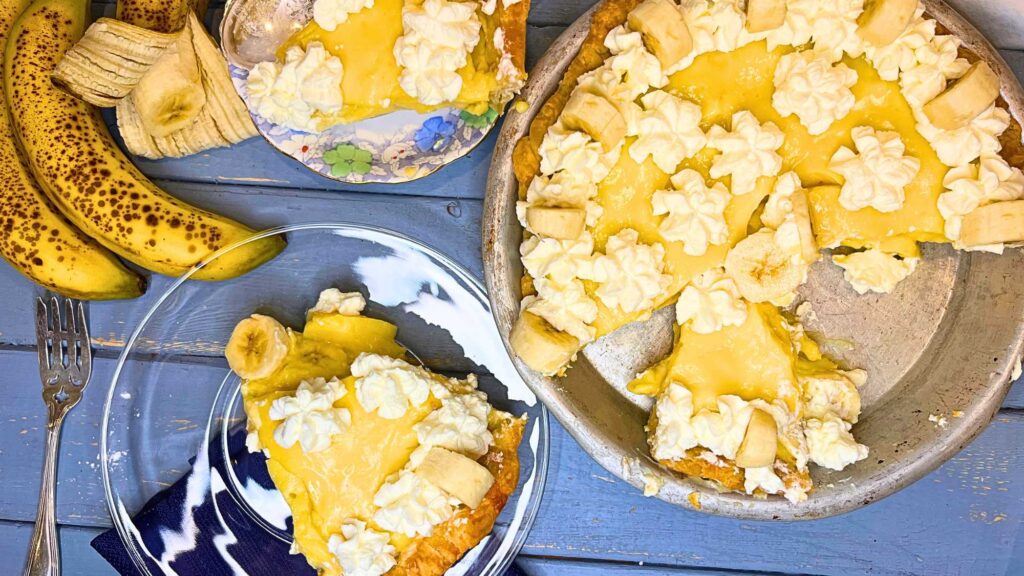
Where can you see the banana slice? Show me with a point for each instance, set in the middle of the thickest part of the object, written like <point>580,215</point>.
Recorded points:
<point>465,479</point>
<point>802,215</point>
<point>109,60</point>
<point>560,223</point>
<point>171,95</point>
<point>257,347</point>
<point>764,15</point>
<point>541,346</point>
<point>997,223</point>
<point>760,443</point>
<point>596,116</point>
<point>664,30</point>
<point>964,100</point>
<point>883,21</point>
<point>761,269</point>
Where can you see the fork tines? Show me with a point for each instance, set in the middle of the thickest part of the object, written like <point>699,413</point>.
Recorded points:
<point>63,342</point>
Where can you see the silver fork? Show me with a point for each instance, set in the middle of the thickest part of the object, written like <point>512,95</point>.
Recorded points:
<point>65,364</point>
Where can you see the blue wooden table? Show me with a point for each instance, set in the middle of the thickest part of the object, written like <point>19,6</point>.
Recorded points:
<point>965,518</point>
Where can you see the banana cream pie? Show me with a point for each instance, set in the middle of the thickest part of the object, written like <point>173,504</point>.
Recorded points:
<point>387,467</point>
<point>702,153</point>
<point>362,58</point>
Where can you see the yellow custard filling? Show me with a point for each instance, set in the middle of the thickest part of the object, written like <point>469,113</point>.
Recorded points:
<point>370,86</point>
<point>727,82</point>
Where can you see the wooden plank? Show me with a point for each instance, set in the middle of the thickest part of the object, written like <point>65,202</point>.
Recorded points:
<point>452,223</point>
<point>963,518</point>
<point>81,560</point>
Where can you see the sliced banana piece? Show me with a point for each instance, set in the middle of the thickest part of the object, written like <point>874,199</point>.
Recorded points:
<point>541,346</point>
<point>802,215</point>
<point>465,479</point>
<point>596,116</point>
<point>171,95</point>
<point>764,15</point>
<point>109,60</point>
<point>762,270</point>
<point>257,347</point>
<point>664,30</point>
<point>965,99</point>
<point>883,21</point>
<point>560,223</point>
<point>999,223</point>
<point>760,443</point>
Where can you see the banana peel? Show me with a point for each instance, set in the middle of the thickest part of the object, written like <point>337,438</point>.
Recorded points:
<point>159,15</point>
<point>222,121</point>
<point>109,61</point>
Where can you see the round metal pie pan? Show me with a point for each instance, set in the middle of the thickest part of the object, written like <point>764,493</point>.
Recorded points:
<point>943,344</point>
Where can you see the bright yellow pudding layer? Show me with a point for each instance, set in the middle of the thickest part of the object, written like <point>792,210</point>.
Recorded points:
<point>365,44</point>
<point>754,360</point>
<point>625,194</point>
<point>323,489</point>
<point>724,83</point>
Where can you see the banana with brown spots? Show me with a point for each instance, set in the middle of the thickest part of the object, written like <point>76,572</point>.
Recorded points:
<point>78,164</point>
<point>159,15</point>
<point>35,237</point>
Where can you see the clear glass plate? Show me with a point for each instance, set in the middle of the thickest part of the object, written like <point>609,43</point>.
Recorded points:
<point>173,397</point>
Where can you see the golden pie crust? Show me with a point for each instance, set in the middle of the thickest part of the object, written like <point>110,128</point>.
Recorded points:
<point>433,555</point>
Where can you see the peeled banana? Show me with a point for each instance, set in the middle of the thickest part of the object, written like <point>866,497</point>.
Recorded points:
<point>109,61</point>
<point>968,97</point>
<point>170,95</point>
<point>541,346</point>
<point>664,30</point>
<point>883,21</point>
<point>998,223</point>
<point>596,116</point>
<point>465,479</point>
<point>764,15</point>
<point>760,443</point>
<point>223,120</point>
<point>78,164</point>
<point>762,270</point>
<point>257,347</point>
<point>560,223</point>
<point>37,240</point>
<point>159,15</point>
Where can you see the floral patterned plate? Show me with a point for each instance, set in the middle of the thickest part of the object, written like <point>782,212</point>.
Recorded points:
<point>396,147</point>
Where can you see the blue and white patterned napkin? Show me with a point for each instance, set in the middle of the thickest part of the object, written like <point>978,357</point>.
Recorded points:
<point>213,538</point>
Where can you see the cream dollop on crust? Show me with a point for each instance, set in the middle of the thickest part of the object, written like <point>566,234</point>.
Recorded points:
<point>296,92</point>
<point>438,36</point>
<point>874,270</point>
<point>567,307</point>
<point>362,551</point>
<point>876,174</point>
<point>808,85</point>
<point>711,302</point>
<point>694,212</point>
<point>748,152</point>
<point>630,273</point>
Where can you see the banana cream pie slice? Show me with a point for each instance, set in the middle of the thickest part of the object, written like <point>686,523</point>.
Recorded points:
<point>362,58</point>
<point>702,153</point>
<point>387,467</point>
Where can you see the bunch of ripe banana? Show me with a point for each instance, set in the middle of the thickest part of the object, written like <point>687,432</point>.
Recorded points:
<point>172,91</point>
<point>71,200</point>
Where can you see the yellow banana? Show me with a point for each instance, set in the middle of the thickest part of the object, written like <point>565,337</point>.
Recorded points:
<point>159,15</point>
<point>35,237</point>
<point>78,164</point>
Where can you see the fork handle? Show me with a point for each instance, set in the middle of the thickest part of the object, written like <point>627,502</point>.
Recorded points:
<point>44,548</point>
